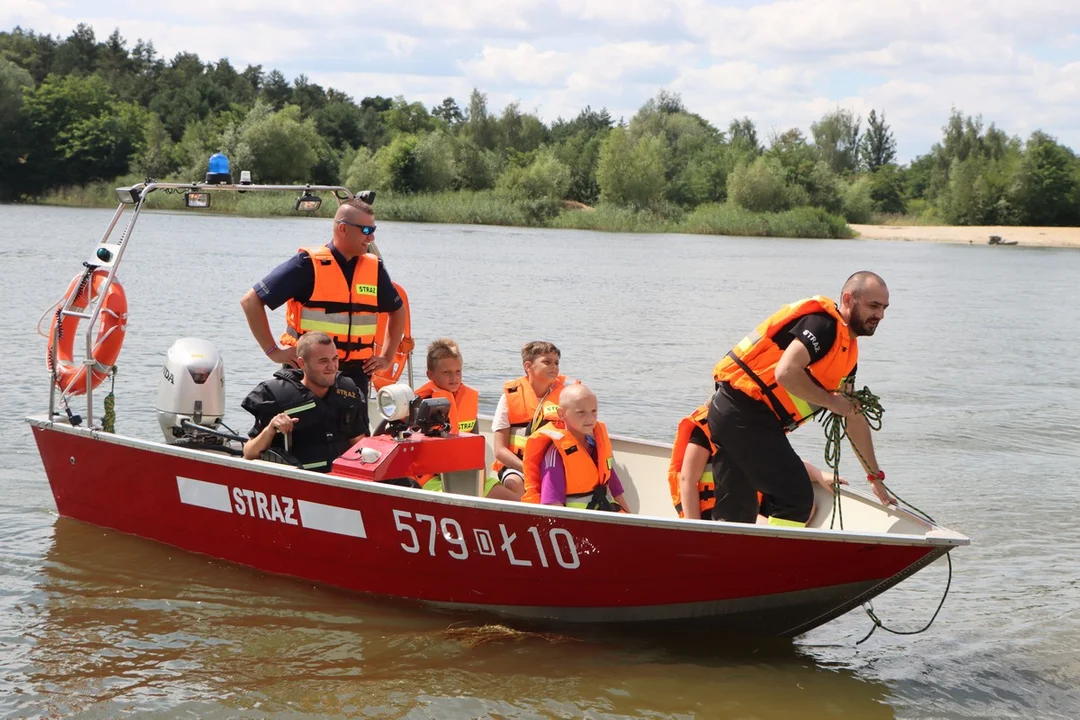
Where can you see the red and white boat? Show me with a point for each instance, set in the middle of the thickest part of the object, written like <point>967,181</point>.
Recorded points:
<point>454,550</point>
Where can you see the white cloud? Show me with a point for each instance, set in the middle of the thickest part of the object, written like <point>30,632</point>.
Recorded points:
<point>783,63</point>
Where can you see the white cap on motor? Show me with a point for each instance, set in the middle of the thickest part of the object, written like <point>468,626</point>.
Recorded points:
<point>191,386</point>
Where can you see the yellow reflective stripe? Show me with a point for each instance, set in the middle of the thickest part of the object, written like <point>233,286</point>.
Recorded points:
<point>518,438</point>
<point>610,462</point>
<point>466,426</point>
<point>803,408</point>
<point>311,466</point>
<point>363,324</point>
<point>780,522</point>
<point>707,478</point>
<point>579,501</point>
<point>299,408</point>
<point>359,330</point>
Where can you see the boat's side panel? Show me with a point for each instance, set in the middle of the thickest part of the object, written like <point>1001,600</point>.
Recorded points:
<point>408,544</point>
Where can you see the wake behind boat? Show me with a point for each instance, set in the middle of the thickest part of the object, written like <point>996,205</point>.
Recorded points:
<point>456,550</point>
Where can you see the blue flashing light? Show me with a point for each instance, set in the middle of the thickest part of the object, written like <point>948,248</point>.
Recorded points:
<point>219,164</point>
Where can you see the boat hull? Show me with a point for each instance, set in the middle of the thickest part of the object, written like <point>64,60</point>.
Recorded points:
<point>462,553</point>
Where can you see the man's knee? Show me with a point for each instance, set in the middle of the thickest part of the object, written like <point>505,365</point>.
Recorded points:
<point>795,504</point>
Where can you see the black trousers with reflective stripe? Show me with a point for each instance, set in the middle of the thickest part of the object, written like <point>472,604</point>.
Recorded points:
<point>754,455</point>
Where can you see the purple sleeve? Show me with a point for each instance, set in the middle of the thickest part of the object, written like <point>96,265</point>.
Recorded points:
<point>614,484</point>
<point>293,279</point>
<point>552,478</point>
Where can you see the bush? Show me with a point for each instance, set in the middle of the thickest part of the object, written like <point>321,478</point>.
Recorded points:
<point>730,219</point>
<point>760,186</point>
<point>858,205</point>
<point>545,178</point>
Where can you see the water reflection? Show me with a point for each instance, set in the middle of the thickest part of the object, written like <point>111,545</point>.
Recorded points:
<point>127,623</point>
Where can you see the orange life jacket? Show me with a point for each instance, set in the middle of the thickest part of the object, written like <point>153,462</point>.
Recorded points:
<point>464,405</point>
<point>583,476</point>
<point>705,485</point>
<point>347,312</point>
<point>527,413</point>
<point>750,367</point>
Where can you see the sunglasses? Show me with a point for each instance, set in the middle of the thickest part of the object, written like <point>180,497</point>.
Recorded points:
<point>366,229</point>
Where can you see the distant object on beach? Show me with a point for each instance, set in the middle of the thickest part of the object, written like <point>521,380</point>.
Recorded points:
<point>997,240</point>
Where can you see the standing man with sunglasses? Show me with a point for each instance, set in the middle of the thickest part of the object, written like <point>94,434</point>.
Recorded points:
<point>338,289</point>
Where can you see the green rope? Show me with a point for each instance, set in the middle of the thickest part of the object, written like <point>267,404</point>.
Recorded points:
<point>869,406</point>
<point>108,420</point>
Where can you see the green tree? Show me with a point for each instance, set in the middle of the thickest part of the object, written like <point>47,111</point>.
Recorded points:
<point>366,172</point>
<point>479,126</point>
<point>283,146</point>
<point>1047,183</point>
<point>629,173</point>
<point>887,190</point>
<point>878,144</point>
<point>449,112</point>
<point>407,118</point>
<point>77,55</point>
<point>760,186</point>
<point>743,135</point>
<point>836,138</point>
<point>14,81</point>
<point>276,90</point>
<point>435,159</point>
<point>399,164</point>
<point>30,51</point>
<point>546,177</point>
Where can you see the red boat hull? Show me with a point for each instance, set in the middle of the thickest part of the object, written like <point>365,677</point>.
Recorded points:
<point>459,552</point>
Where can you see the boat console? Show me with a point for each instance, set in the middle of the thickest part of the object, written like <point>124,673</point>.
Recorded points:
<point>414,440</point>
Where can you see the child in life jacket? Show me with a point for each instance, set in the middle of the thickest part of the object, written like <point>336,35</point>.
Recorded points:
<point>526,404</point>
<point>569,462</point>
<point>690,475</point>
<point>444,370</point>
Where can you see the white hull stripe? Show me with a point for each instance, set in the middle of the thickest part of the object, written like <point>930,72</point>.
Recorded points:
<point>212,496</point>
<point>331,518</point>
<point>313,515</point>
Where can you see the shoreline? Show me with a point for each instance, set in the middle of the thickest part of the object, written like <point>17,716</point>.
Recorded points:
<point>1026,236</point>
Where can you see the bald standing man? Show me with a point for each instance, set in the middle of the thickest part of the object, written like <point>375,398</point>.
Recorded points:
<point>795,363</point>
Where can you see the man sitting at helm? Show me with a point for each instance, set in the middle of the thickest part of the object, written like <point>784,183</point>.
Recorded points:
<point>315,407</point>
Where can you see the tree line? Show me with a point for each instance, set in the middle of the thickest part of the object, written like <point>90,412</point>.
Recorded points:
<point>76,109</point>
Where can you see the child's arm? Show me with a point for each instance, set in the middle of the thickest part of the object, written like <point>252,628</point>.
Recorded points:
<point>620,500</point>
<point>552,478</point>
<point>503,453</point>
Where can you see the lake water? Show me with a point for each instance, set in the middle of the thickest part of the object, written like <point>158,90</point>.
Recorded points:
<point>976,363</point>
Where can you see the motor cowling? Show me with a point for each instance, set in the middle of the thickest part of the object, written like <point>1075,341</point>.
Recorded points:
<point>191,387</point>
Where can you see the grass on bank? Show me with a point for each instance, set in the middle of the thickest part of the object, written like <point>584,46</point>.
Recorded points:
<point>489,208</point>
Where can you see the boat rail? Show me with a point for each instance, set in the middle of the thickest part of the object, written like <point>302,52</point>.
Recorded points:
<point>108,254</point>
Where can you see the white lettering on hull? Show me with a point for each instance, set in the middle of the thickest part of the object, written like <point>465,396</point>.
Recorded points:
<point>275,508</point>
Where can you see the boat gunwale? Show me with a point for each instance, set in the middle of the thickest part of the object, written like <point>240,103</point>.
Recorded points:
<point>936,536</point>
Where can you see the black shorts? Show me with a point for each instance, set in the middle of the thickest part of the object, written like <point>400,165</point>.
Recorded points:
<point>754,455</point>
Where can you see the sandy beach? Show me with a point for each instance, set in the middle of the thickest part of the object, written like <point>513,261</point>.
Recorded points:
<point>973,235</point>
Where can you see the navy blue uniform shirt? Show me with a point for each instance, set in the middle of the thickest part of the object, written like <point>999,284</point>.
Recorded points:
<point>295,279</point>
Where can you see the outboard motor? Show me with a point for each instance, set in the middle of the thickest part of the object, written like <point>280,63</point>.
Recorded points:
<point>191,393</point>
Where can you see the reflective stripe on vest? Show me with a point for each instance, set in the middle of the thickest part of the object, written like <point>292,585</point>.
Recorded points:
<point>346,311</point>
<point>750,366</point>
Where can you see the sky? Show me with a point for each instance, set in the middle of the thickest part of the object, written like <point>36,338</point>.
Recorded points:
<point>783,64</point>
